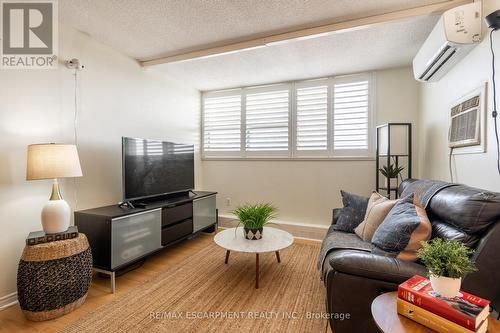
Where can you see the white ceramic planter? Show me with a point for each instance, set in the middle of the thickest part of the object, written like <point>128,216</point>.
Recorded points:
<point>445,286</point>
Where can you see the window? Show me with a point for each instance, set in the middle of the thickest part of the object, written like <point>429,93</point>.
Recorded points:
<point>267,120</point>
<point>322,118</point>
<point>222,123</point>
<point>351,106</point>
<point>312,117</point>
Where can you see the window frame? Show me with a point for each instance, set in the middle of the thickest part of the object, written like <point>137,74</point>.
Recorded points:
<point>292,153</point>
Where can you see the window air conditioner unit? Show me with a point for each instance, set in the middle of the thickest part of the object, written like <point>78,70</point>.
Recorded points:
<point>467,120</point>
<point>455,34</point>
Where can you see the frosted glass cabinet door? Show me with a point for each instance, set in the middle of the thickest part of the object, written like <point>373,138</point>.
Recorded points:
<point>204,212</point>
<point>135,235</point>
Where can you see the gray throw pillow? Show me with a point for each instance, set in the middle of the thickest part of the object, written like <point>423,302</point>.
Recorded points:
<point>403,230</point>
<point>353,212</point>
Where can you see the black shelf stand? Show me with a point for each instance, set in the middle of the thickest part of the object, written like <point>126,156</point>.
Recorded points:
<point>388,157</point>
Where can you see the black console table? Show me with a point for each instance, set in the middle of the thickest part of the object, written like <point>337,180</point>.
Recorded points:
<point>122,236</point>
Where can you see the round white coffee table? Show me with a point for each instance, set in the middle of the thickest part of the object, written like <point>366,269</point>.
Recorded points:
<point>273,240</point>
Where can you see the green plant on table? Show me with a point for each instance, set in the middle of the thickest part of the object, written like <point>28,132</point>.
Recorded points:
<point>255,216</point>
<point>446,258</point>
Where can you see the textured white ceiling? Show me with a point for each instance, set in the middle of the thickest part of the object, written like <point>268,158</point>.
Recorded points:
<point>145,29</point>
<point>384,46</point>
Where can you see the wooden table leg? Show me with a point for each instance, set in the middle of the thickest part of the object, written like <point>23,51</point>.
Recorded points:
<point>227,256</point>
<point>256,271</point>
<point>278,256</point>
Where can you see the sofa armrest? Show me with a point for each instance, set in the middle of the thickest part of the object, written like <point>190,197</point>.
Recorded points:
<point>484,282</point>
<point>374,266</point>
<point>335,215</point>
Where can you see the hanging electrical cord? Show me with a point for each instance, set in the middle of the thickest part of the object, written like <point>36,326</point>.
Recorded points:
<point>75,131</point>
<point>450,155</point>
<point>75,65</point>
<point>450,165</point>
<point>494,113</point>
<point>75,119</point>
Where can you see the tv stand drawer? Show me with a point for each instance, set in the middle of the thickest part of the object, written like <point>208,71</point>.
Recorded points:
<point>172,215</point>
<point>175,232</point>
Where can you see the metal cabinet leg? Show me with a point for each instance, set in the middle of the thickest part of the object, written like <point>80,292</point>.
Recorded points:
<point>113,282</point>
<point>111,278</point>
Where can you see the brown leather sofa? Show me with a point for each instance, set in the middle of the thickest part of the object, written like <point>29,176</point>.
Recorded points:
<point>353,276</point>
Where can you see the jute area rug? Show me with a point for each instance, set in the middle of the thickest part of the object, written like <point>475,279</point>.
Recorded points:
<point>202,294</point>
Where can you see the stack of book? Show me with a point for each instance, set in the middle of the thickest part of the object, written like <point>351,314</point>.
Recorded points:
<point>39,237</point>
<point>464,313</point>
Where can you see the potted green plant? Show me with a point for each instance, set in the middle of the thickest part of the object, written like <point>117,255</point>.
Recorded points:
<point>254,217</point>
<point>447,262</point>
<point>391,172</point>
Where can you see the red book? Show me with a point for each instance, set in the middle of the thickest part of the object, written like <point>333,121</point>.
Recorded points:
<point>464,309</point>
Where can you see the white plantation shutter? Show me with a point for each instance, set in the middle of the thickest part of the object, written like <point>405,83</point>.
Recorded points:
<point>312,117</point>
<point>267,120</point>
<point>351,116</point>
<point>320,118</point>
<point>222,124</point>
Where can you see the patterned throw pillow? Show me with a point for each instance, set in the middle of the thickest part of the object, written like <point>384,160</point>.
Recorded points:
<point>403,229</point>
<point>378,208</point>
<point>353,212</point>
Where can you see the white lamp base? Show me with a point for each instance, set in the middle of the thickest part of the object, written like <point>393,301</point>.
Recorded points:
<point>56,212</point>
<point>55,216</point>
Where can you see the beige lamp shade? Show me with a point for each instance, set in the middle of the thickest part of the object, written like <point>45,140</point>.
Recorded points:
<point>48,161</point>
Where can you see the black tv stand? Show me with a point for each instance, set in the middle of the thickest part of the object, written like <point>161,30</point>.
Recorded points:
<point>113,231</point>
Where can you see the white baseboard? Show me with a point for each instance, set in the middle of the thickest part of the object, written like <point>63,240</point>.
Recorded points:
<point>8,300</point>
<point>299,230</point>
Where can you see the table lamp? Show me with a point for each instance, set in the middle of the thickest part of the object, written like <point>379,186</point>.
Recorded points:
<point>53,161</point>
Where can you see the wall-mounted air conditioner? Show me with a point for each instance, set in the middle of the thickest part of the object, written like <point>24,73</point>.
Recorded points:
<point>467,122</point>
<point>455,34</point>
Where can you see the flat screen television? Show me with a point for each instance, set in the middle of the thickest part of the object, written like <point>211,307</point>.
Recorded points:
<point>153,168</point>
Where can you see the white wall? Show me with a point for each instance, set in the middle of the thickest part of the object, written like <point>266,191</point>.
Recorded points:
<point>435,100</point>
<point>306,191</point>
<point>117,97</point>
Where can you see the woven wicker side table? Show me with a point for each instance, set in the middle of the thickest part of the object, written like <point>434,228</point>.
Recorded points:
<point>54,278</point>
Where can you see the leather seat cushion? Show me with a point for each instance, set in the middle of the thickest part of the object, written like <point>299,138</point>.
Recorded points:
<point>338,240</point>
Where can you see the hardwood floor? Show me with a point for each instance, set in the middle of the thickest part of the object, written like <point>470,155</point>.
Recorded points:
<point>12,319</point>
